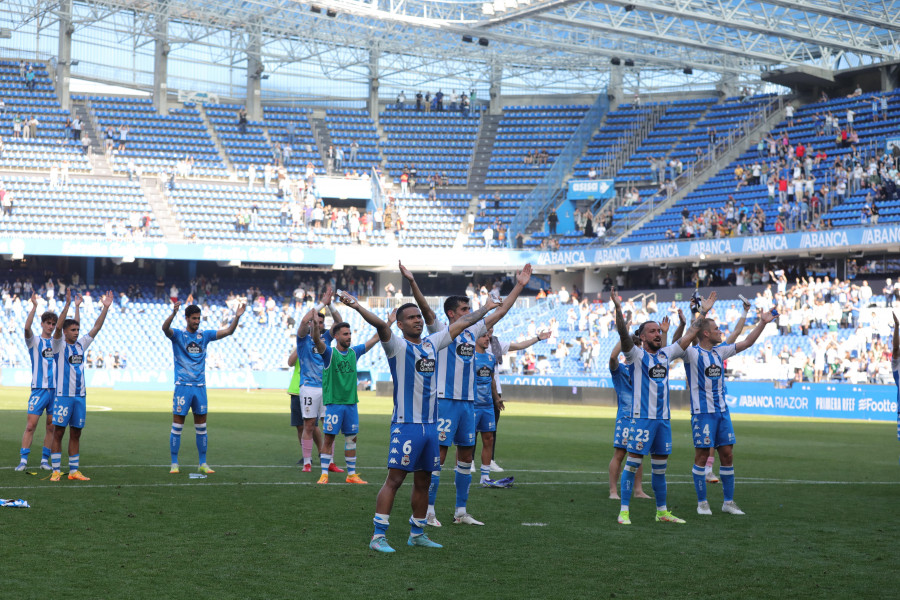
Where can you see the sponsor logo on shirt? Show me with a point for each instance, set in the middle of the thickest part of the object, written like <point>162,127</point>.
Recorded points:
<point>485,371</point>
<point>713,371</point>
<point>76,359</point>
<point>47,353</point>
<point>658,372</point>
<point>194,348</point>
<point>425,365</point>
<point>466,350</point>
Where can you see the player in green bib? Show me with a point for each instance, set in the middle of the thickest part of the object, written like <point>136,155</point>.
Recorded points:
<point>339,381</point>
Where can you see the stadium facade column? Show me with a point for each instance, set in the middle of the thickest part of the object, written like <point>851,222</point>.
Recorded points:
<point>64,53</point>
<point>255,69</point>
<point>887,80</point>
<point>496,104</point>
<point>374,82</point>
<point>161,60</point>
<point>728,84</point>
<point>615,89</point>
<point>90,270</point>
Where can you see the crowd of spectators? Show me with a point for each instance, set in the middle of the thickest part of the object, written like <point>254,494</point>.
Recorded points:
<point>428,102</point>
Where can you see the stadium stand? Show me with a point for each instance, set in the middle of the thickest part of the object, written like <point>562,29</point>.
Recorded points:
<point>155,143</point>
<point>346,127</point>
<point>434,143</point>
<point>93,208</point>
<point>528,140</point>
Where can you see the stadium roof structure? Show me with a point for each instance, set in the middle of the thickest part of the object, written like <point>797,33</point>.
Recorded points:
<point>554,39</point>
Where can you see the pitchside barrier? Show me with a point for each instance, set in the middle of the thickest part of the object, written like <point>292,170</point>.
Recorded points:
<point>791,399</point>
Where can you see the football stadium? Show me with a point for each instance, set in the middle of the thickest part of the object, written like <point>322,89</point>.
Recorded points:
<point>577,299</point>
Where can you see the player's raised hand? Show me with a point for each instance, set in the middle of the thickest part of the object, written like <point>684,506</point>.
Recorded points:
<point>327,296</point>
<point>707,304</point>
<point>896,322</point>
<point>176,305</point>
<point>617,302</point>
<point>240,309</point>
<point>681,316</point>
<point>524,276</point>
<point>107,299</point>
<point>664,324</point>
<point>346,298</point>
<point>543,335</point>
<point>34,300</point>
<point>68,295</point>
<point>405,272</point>
<point>392,318</point>
<point>766,316</point>
<point>78,300</point>
<point>190,299</point>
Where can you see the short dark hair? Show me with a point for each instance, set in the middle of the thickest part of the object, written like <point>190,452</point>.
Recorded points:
<point>640,330</point>
<point>49,316</point>
<point>453,302</point>
<point>193,309</point>
<point>341,325</point>
<point>69,322</point>
<point>404,307</point>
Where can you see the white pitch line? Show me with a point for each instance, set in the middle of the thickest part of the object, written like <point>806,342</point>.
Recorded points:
<point>292,483</point>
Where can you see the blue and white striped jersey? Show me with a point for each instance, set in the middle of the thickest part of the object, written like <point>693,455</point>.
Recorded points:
<point>43,364</point>
<point>650,381</point>
<point>705,371</point>
<point>622,383</point>
<point>189,353</point>
<point>456,363</point>
<point>484,374</point>
<point>311,363</point>
<point>413,370</point>
<point>70,366</point>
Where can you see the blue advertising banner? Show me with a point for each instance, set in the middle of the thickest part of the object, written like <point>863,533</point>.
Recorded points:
<point>591,189</point>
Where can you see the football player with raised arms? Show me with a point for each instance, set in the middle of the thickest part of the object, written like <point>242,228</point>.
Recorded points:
<point>311,407</point>
<point>621,378</point>
<point>895,366</point>
<point>711,425</point>
<point>69,406</point>
<point>650,431</point>
<point>43,381</point>
<point>456,389</point>
<point>189,353</point>
<point>339,395</point>
<point>414,437</point>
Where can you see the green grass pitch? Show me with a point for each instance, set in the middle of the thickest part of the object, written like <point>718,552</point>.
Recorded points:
<point>821,501</point>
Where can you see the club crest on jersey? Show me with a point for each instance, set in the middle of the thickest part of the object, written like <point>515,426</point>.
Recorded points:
<point>425,365</point>
<point>76,359</point>
<point>47,353</point>
<point>706,440</point>
<point>639,445</point>
<point>466,350</point>
<point>713,371</point>
<point>194,348</point>
<point>484,371</point>
<point>658,372</point>
<point>442,436</point>
<point>405,460</point>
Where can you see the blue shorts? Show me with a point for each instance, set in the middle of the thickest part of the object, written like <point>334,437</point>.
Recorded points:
<point>620,438</point>
<point>69,410</point>
<point>484,419</point>
<point>456,422</point>
<point>189,398</point>
<point>650,436</point>
<point>341,418</point>
<point>712,430</point>
<point>41,399</point>
<point>414,447</point>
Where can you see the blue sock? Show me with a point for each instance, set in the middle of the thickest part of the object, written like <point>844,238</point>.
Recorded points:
<point>727,475</point>
<point>201,442</point>
<point>23,454</point>
<point>463,481</point>
<point>658,481</point>
<point>325,460</point>
<point>73,462</point>
<point>381,525</point>
<point>416,526</point>
<point>627,483</point>
<point>45,454</point>
<point>175,440</point>
<point>351,464</point>
<point>433,488</point>
<point>56,460</point>
<point>700,482</point>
